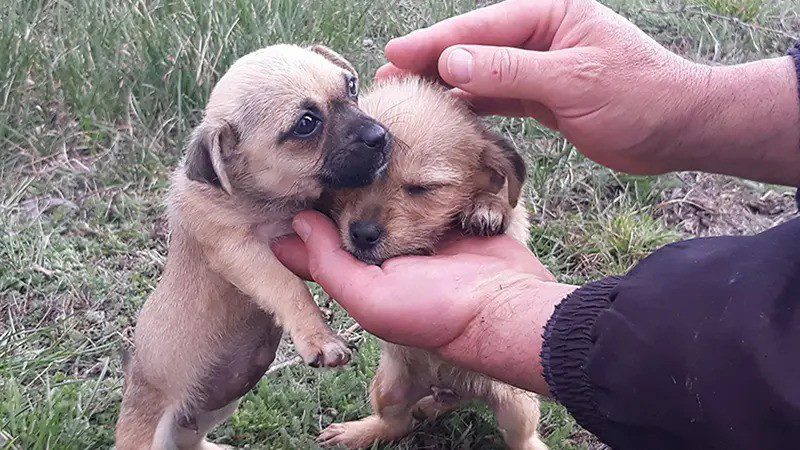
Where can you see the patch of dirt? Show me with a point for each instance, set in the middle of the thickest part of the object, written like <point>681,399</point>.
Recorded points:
<point>714,205</point>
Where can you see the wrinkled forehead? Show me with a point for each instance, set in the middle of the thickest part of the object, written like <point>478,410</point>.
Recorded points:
<point>278,80</point>
<point>299,75</point>
<point>435,141</point>
<point>430,160</point>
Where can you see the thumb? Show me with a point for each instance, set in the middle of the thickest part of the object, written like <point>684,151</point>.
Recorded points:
<point>342,276</point>
<point>506,72</point>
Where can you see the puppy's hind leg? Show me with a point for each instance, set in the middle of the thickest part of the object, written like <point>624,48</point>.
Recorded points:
<point>517,414</point>
<point>142,407</point>
<point>178,431</point>
<point>441,401</point>
<point>393,395</point>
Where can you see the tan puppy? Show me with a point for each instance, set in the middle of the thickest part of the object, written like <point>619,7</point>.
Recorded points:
<point>446,171</point>
<point>281,125</point>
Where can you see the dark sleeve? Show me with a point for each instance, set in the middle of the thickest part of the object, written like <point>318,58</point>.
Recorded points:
<point>697,347</point>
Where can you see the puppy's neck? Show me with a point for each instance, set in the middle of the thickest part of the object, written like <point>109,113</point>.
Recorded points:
<point>275,207</point>
<point>277,214</point>
<point>204,210</point>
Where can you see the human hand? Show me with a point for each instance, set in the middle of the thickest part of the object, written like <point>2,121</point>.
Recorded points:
<point>576,66</point>
<point>480,302</point>
<point>616,94</point>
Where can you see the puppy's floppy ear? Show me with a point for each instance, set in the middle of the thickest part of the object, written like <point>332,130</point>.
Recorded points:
<point>334,57</point>
<point>209,143</point>
<point>501,164</point>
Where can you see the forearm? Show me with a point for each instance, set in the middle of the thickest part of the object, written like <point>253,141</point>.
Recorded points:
<point>504,340</point>
<point>746,122</point>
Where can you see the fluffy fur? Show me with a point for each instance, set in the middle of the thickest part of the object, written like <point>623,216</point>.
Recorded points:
<point>447,171</point>
<point>210,329</point>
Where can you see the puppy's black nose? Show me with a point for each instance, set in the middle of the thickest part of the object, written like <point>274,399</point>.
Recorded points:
<point>365,234</point>
<point>373,135</point>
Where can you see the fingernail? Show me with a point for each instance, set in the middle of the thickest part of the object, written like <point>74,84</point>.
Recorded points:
<point>459,64</point>
<point>302,228</point>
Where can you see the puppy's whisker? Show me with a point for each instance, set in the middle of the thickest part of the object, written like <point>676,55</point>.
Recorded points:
<point>401,144</point>
<point>394,121</point>
<point>391,120</point>
<point>399,103</point>
<point>390,109</point>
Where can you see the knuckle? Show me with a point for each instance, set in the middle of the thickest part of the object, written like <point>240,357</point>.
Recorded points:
<point>583,72</point>
<point>315,269</point>
<point>504,67</point>
<point>589,70</point>
<point>581,9</point>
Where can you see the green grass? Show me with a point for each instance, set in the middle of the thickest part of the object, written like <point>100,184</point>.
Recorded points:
<point>96,99</point>
<point>746,10</point>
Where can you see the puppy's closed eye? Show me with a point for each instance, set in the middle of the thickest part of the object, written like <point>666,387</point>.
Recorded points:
<point>418,190</point>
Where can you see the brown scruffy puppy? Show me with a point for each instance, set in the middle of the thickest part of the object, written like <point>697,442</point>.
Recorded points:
<point>281,125</point>
<point>446,171</point>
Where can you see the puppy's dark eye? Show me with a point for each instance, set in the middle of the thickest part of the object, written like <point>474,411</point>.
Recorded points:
<point>306,126</point>
<point>352,87</point>
<point>416,190</point>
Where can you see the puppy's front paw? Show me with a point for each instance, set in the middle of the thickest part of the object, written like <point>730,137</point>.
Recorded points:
<point>489,215</point>
<point>337,435</point>
<point>354,435</point>
<point>328,350</point>
<point>533,443</point>
<point>205,445</point>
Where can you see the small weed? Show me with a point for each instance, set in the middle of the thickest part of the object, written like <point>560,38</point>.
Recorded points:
<point>746,10</point>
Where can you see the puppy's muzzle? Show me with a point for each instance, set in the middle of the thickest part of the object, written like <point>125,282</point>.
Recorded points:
<point>360,152</point>
<point>365,234</point>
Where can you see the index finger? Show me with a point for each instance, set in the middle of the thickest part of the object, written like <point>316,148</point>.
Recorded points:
<point>513,23</point>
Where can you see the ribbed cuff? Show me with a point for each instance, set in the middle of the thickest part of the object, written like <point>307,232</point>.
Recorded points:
<point>797,199</point>
<point>568,338</point>
<point>794,52</point>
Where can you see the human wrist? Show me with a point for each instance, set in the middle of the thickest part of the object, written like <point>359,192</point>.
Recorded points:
<point>677,86</point>
<point>744,121</point>
<point>504,339</point>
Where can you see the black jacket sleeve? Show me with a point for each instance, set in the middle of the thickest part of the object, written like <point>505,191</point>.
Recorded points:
<point>697,347</point>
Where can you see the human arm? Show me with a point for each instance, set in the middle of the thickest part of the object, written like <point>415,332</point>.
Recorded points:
<point>694,348</point>
<point>449,304</point>
<point>621,98</point>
